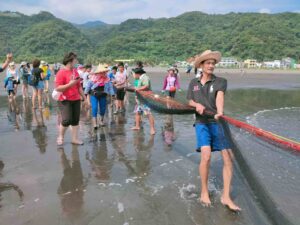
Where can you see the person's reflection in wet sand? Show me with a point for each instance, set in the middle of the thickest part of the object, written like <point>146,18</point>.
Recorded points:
<point>27,114</point>
<point>143,151</point>
<point>72,185</point>
<point>99,159</point>
<point>40,131</point>
<point>13,113</point>
<point>117,135</point>
<point>46,100</point>
<point>47,106</point>
<point>46,113</point>
<point>8,186</point>
<point>139,167</point>
<point>168,132</point>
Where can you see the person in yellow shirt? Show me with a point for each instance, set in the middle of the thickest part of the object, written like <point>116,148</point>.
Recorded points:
<point>44,67</point>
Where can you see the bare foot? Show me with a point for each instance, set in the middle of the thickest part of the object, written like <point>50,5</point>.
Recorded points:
<point>77,142</point>
<point>230,204</point>
<point>152,132</point>
<point>204,200</point>
<point>60,141</point>
<point>135,128</point>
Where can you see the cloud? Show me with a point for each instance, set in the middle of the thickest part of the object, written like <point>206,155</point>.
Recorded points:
<point>268,11</point>
<point>116,11</point>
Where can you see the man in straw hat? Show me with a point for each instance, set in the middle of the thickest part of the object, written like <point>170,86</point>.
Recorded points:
<point>207,93</point>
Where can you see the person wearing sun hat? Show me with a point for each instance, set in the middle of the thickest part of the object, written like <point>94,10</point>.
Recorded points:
<point>207,93</point>
<point>25,73</point>
<point>99,86</point>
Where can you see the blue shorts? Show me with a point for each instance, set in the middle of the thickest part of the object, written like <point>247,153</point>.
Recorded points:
<point>211,134</point>
<point>40,85</point>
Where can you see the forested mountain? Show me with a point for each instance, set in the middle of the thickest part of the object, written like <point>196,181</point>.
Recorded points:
<point>243,35</point>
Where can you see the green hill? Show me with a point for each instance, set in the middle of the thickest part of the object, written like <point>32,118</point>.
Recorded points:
<point>243,35</point>
<point>41,35</point>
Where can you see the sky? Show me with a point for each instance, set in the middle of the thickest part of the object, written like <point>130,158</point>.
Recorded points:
<point>117,11</point>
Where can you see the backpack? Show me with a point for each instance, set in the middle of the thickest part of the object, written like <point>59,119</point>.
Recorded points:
<point>32,80</point>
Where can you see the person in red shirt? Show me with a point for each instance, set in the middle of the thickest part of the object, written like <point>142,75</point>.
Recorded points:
<point>68,82</point>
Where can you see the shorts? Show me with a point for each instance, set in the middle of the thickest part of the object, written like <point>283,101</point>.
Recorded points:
<point>70,112</point>
<point>120,94</point>
<point>142,109</point>
<point>172,94</point>
<point>25,79</point>
<point>211,134</point>
<point>10,92</point>
<point>16,82</point>
<point>39,86</point>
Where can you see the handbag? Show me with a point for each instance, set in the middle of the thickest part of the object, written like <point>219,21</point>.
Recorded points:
<point>56,94</point>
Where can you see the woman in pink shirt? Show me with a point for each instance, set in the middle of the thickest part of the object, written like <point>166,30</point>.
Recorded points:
<point>171,83</point>
<point>68,82</point>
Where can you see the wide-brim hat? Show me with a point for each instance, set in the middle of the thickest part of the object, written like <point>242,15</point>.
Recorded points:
<point>11,64</point>
<point>171,68</point>
<point>139,70</point>
<point>23,63</point>
<point>206,55</point>
<point>101,68</point>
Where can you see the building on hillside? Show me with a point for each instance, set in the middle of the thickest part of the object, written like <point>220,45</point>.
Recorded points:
<point>288,63</point>
<point>124,60</point>
<point>272,64</point>
<point>228,62</point>
<point>250,63</point>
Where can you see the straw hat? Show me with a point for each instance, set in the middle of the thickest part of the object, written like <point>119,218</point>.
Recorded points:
<point>208,54</point>
<point>101,68</point>
<point>11,64</point>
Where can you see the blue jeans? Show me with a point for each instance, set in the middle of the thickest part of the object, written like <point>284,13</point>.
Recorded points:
<point>98,102</point>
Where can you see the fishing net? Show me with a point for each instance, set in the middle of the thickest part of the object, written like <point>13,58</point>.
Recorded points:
<point>169,105</point>
<point>163,104</point>
<point>270,172</point>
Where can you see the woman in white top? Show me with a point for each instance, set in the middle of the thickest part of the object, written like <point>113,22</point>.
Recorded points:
<point>13,73</point>
<point>120,84</point>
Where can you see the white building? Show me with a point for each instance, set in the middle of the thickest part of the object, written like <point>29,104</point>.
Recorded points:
<point>272,64</point>
<point>228,62</point>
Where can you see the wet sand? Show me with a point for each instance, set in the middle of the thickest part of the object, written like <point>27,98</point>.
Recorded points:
<point>125,177</point>
<point>247,78</point>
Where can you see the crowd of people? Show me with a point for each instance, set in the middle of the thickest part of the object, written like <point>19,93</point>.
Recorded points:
<point>78,86</point>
